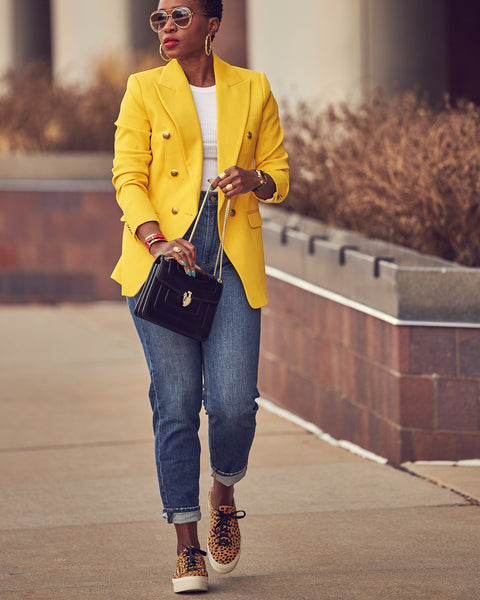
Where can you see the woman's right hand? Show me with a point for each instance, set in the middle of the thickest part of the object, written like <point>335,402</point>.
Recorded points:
<point>179,249</point>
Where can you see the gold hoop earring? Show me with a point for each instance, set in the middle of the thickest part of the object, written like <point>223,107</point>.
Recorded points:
<point>208,45</point>
<point>166,58</point>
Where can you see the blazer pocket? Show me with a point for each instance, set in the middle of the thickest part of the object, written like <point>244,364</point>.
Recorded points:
<point>254,219</point>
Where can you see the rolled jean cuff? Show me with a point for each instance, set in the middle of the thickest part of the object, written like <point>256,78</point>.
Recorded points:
<point>181,516</point>
<point>228,479</point>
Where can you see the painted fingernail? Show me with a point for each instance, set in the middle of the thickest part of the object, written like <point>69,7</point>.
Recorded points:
<point>189,272</point>
<point>194,274</point>
<point>183,263</point>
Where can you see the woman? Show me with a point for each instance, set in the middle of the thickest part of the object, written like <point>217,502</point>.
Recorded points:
<point>197,121</point>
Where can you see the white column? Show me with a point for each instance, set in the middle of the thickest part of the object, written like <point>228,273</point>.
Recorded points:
<point>333,50</point>
<point>84,32</point>
<point>6,35</point>
<point>310,50</point>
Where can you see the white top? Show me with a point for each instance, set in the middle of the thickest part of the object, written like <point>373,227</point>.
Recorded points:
<point>206,104</point>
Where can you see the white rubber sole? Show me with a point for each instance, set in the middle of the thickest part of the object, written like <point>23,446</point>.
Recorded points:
<point>196,583</point>
<point>219,568</point>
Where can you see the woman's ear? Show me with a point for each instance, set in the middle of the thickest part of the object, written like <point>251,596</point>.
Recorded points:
<point>213,25</point>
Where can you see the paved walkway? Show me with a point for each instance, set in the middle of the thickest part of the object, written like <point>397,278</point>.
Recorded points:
<point>80,514</point>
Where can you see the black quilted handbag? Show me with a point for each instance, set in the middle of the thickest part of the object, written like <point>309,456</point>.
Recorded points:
<point>174,300</point>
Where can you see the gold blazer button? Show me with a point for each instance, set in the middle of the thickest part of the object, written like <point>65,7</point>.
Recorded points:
<point>233,212</point>
<point>174,210</point>
<point>249,135</point>
<point>166,135</point>
<point>174,172</point>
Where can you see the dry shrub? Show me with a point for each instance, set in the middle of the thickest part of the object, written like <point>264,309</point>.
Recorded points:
<point>38,115</point>
<point>395,169</point>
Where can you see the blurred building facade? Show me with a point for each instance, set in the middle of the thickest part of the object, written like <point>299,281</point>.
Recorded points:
<point>321,50</point>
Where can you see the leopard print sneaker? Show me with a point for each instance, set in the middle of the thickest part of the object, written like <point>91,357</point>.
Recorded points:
<point>191,574</point>
<point>224,537</point>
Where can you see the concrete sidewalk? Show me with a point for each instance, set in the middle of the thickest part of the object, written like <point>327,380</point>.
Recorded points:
<point>80,513</point>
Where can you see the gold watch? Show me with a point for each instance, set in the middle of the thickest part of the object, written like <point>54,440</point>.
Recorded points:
<point>263,180</point>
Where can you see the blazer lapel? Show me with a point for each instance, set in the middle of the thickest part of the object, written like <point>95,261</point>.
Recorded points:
<point>233,101</point>
<point>176,96</point>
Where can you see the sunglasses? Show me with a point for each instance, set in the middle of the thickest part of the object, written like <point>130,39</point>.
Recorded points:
<point>181,15</point>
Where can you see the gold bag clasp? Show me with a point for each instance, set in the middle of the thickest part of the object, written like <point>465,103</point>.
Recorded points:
<point>187,299</point>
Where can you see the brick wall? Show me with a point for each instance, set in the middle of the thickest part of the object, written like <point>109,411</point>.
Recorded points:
<point>403,392</point>
<point>58,244</point>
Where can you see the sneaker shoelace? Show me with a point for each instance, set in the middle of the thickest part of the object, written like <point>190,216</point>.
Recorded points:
<point>191,558</point>
<point>221,528</point>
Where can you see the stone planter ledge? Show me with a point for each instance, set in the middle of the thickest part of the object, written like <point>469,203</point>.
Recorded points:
<point>373,343</point>
<point>399,284</point>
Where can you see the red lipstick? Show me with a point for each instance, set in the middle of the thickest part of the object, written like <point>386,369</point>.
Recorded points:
<point>170,42</point>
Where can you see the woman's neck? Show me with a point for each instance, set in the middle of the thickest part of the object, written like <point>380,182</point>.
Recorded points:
<point>199,72</point>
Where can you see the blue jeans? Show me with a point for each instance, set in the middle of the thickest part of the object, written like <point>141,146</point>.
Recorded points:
<point>221,372</point>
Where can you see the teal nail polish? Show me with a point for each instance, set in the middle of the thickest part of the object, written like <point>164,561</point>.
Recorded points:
<point>189,272</point>
<point>183,263</point>
<point>194,274</point>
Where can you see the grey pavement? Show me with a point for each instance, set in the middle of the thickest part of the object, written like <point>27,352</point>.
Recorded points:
<point>80,514</point>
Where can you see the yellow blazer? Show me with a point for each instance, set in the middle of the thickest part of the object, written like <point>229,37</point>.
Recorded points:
<point>157,169</point>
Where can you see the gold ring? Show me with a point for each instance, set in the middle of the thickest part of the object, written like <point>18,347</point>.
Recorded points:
<point>229,187</point>
<point>176,249</point>
<point>222,175</point>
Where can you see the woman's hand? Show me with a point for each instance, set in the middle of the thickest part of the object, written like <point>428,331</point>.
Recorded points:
<point>234,181</point>
<point>181,250</point>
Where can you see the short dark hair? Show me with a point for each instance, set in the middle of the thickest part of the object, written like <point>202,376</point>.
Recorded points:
<point>214,8</point>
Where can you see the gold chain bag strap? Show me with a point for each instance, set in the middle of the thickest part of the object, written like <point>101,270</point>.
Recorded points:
<point>174,300</point>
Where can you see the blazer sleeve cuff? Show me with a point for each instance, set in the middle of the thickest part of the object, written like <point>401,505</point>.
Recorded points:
<point>281,183</point>
<point>138,210</point>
